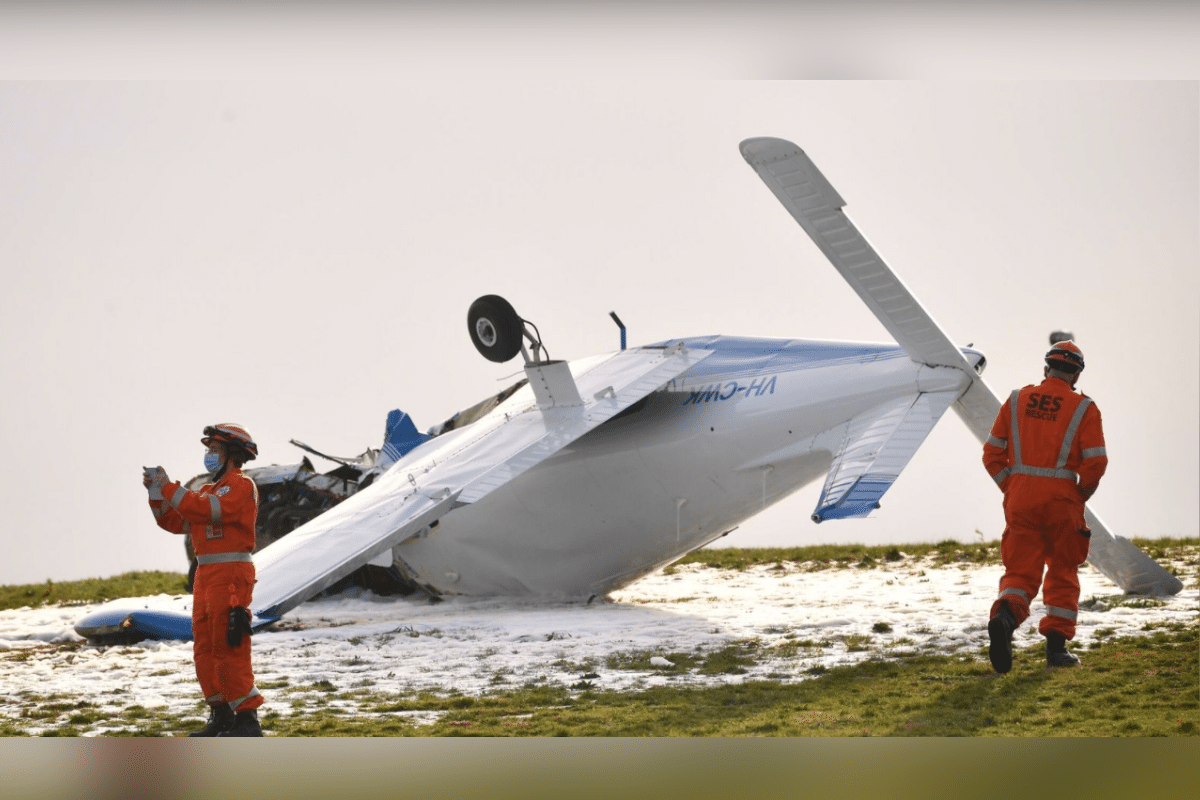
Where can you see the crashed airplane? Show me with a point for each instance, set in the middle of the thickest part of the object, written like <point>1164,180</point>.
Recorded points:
<point>592,473</point>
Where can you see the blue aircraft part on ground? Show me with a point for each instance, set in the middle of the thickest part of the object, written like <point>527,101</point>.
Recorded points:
<point>152,623</point>
<point>156,624</point>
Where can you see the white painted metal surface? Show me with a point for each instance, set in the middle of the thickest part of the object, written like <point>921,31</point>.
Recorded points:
<point>699,457</point>
<point>459,468</point>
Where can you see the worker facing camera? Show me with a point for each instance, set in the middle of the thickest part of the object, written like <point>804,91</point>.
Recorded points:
<point>219,518</point>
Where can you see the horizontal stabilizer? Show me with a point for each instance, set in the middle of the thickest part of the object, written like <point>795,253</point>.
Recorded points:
<point>876,448</point>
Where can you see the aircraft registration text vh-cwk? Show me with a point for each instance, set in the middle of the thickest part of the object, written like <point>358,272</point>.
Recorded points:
<point>591,473</point>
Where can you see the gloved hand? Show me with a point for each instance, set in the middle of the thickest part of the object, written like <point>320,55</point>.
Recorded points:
<point>154,478</point>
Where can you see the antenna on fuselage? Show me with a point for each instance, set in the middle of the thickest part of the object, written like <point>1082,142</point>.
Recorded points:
<point>620,325</point>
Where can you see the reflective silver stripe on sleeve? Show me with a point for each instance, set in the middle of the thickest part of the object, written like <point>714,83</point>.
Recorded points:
<point>995,442</point>
<point>1001,475</point>
<point>159,511</point>
<point>216,698</point>
<point>1094,452</point>
<point>1065,613</point>
<point>1014,590</point>
<point>223,558</point>
<point>215,505</point>
<point>1072,429</point>
<point>177,498</point>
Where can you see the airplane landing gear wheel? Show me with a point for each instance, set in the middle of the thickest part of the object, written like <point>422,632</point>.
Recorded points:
<point>496,330</point>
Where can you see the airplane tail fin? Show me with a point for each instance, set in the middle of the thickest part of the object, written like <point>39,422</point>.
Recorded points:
<point>400,435</point>
<point>813,202</point>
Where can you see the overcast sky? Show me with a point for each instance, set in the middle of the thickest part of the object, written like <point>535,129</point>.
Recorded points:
<point>298,256</point>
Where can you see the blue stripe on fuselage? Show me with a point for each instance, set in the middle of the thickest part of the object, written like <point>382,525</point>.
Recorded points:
<point>742,357</point>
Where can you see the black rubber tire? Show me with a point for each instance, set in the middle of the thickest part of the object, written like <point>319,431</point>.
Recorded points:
<point>496,330</point>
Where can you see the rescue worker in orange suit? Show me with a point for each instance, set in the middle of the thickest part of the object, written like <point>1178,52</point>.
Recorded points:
<point>1046,452</point>
<point>220,519</point>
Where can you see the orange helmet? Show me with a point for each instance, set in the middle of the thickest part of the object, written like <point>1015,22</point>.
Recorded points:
<point>231,433</point>
<point>1065,356</point>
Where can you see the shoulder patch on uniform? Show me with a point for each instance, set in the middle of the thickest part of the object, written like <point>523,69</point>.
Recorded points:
<point>224,490</point>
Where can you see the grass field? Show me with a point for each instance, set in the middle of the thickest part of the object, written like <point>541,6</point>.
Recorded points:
<point>1146,685</point>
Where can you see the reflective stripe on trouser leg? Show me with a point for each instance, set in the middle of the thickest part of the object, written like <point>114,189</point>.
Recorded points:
<point>1058,620</point>
<point>1060,589</point>
<point>1021,550</point>
<point>1019,609</point>
<point>254,695</point>
<point>232,584</point>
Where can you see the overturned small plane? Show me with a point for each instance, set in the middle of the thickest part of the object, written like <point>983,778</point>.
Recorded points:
<point>592,473</point>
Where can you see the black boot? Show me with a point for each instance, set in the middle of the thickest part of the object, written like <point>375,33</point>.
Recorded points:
<point>245,724</point>
<point>1056,651</point>
<point>220,718</point>
<point>1000,631</point>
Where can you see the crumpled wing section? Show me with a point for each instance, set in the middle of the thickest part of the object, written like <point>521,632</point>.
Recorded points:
<point>876,448</point>
<point>460,467</point>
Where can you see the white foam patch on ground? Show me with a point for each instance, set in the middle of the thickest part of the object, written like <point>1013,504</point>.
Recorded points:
<point>360,643</point>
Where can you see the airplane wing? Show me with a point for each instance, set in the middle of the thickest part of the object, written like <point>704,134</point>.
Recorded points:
<point>877,446</point>
<point>561,403</point>
<point>817,207</point>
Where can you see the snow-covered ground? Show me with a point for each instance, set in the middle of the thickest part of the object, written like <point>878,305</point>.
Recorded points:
<point>359,642</point>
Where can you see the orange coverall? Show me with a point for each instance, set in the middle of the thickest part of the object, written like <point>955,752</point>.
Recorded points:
<point>1046,452</point>
<point>220,518</point>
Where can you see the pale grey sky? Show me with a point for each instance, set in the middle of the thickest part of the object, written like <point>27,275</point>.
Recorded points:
<point>298,256</point>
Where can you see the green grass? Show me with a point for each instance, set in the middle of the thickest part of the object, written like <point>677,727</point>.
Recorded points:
<point>950,551</point>
<point>92,590</point>
<point>1131,686</point>
<point>820,557</point>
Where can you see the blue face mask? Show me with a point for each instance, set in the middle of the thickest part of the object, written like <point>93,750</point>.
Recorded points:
<point>212,462</point>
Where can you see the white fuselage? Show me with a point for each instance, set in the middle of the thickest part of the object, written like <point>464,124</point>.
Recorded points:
<point>753,423</point>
